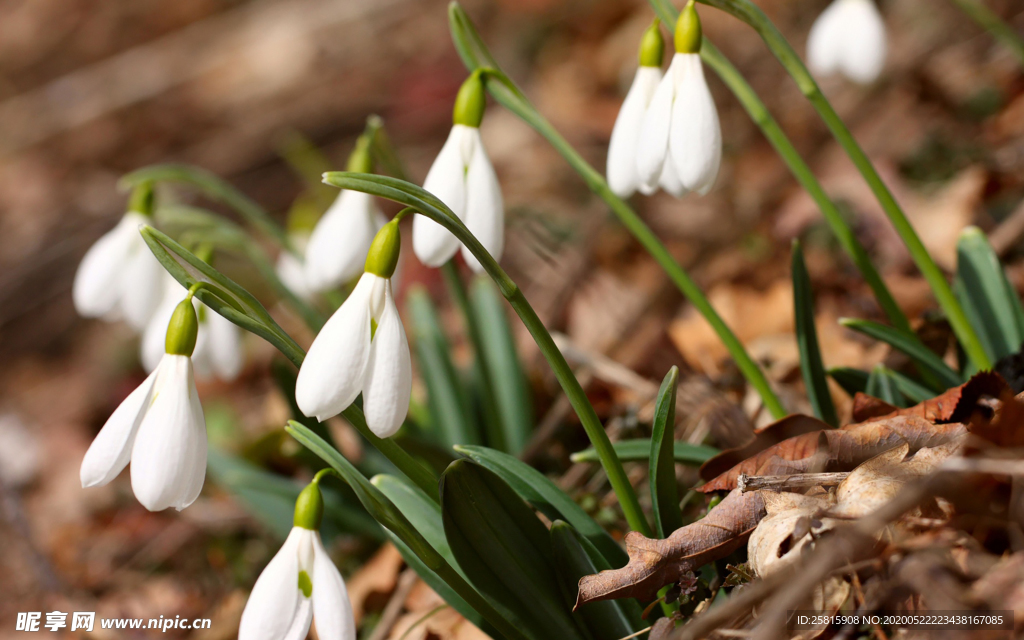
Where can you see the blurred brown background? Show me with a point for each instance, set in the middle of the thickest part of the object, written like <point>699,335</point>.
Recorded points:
<point>92,89</point>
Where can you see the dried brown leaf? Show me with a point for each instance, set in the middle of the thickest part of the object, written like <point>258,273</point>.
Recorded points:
<point>655,563</point>
<point>772,434</point>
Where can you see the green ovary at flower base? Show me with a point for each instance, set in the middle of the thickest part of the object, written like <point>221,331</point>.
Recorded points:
<point>300,585</point>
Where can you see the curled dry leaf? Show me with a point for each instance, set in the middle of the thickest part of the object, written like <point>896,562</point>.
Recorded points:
<point>772,434</point>
<point>655,563</point>
<point>955,405</point>
<point>792,523</point>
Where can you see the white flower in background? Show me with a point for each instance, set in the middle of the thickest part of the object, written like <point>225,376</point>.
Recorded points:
<point>337,247</point>
<point>218,352</point>
<point>622,149</point>
<point>350,356</point>
<point>462,177</point>
<point>848,38</point>
<point>160,427</point>
<point>680,146</point>
<point>291,268</point>
<point>299,584</point>
<point>119,278</point>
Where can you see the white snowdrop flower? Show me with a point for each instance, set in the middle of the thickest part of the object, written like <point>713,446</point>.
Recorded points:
<point>622,148</point>
<point>119,278</point>
<point>462,177</point>
<point>351,356</point>
<point>291,268</point>
<point>337,247</point>
<point>160,427</point>
<point>848,38</point>
<point>218,351</point>
<point>680,143</point>
<point>300,584</point>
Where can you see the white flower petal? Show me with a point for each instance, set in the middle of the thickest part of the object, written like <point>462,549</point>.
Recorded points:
<point>110,451</point>
<point>225,345</point>
<point>292,272</point>
<point>332,374</point>
<point>331,606</point>
<point>825,40</point>
<point>433,244</point>
<point>388,385</point>
<point>622,148</point>
<point>338,246</point>
<point>669,180</point>
<point>696,137</point>
<point>97,288</point>
<point>485,208</point>
<point>142,285</point>
<point>863,41</point>
<point>652,146</point>
<point>170,445</point>
<point>274,604</point>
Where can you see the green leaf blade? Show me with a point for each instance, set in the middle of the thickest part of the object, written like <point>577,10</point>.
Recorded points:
<point>811,365</point>
<point>664,490</point>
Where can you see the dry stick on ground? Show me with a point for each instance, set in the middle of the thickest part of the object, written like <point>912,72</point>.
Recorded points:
<point>393,609</point>
<point>795,482</point>
<point>797,580</point>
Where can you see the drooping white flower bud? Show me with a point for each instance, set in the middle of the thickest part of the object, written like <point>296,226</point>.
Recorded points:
<point>118,278</point>
<point>348,357</point>
<point>463,178</point>
<point>848,38</point>
<point>622,148</point>
<point>680,142</point>
<point>300,585</point>
<point>159,427</point>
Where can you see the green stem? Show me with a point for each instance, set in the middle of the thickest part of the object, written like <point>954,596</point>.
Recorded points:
<point>991,22</point>
<point>512,98</point>
<point>426,204</point>
<point>777,44</point>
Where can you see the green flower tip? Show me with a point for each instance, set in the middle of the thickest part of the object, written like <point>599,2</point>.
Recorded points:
<point>652,46</point>
<point>182,329</point>
<point>470,102</point>
<point>382,258</point>
<point>309,509</point>
<point>688,30</point>
<point>361,160</point>
<point>142,198</point>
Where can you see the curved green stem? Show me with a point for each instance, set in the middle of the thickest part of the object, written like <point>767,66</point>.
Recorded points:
<point>777,44</point>
<point>426,204</point>
<point>505,92</point>
<point>991,22</point>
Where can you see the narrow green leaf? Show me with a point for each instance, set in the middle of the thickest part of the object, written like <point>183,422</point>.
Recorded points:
<point>504,549</point>
<point>639,450</point>
<point>385,512</point>
<point>510,389</point>
<point>811,366</point>
<point>664,490</point>
<point>425,516</point>
<point>608,620</point>
<point>449,407</point>
<point>214,188</point>
<point>856,380</point>
<point>992,305</point>
<point>882,385</point>
<point>908,344</point>
<point>546,497</point>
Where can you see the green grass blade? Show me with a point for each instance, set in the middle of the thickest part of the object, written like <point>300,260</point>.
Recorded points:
<point>982,286</point>
<point>908,344</point>
<point>664,489</point>
<point>639,450</point>
<point>811,366</point>
<point>450,413</point>
<point>882,385</point>
<point>510,389</point>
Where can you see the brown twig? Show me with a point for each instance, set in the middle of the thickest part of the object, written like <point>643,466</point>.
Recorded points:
<point>795,482</point>
<point>393,609</point>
